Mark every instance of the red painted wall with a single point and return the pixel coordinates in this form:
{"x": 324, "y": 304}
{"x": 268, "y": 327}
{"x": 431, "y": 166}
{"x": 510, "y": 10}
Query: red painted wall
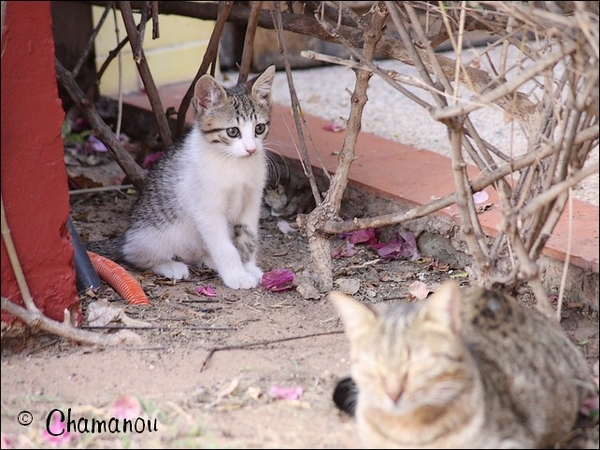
{"x": 33, "y": 174}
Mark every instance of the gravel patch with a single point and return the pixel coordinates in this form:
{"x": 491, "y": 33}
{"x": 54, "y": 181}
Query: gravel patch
{"x": 325, "y": 92}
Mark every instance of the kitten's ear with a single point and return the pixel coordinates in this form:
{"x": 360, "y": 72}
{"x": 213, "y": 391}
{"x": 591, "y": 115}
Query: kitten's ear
{"x": 444, "y": 307}
{"x": 261, "y": 85}
{"x": 208, "y": 93}
{"x": 357, "y": 317}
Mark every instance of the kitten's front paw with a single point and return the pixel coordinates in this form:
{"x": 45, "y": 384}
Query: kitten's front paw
{"x": 254, "y": 270}
{"x": 240, "y": 280}
{"x": 173, "y": 269}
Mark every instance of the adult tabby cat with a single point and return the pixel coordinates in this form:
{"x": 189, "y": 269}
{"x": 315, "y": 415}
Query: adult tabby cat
{"x": 202, "y": 199}
{"x": 474, "y": 370}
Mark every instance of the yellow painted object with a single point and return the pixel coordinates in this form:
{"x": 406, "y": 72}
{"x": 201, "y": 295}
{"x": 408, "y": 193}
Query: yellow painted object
{"x": 173, "y": 58}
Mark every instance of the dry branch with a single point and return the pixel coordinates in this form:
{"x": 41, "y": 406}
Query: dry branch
{"x": 248, "y": 48}
{"x": 213, "y": 350}
{"x": 145, "y": 73}
{"x": 387, "y": 47}
{"x": 297, "y": 111}
{"x": 209, "y": 60}
{"x": 103, "y": 132}
{"x": 319, "y": 243}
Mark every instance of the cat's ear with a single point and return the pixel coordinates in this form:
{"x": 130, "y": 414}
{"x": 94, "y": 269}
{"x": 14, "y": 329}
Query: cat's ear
{"x": 357, "y": 317}
{"x": 208, "y": 93}
{"x": 444, "y": 306}
{"x": 261, "y": 86}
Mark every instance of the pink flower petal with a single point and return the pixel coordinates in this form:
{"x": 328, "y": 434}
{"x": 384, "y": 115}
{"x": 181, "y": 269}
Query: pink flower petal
{"x": 480, "y": 197}
{"x": 343, "y": 250}
{"x": 410, "y": 248}
{"x": 125, "y": 407}
{"x": 150, "y": 160}
{"x": 366, "y": 236}
{"x": 97, "y": 145}
{"x": 278, "y": 280}
{"x": 289, "y": 393}
{"x": 332, "y": 126}
{"x": 405, "y": 247}
{"x": 389, "y": 250}
{"x": 6, "y": 441}
{"x": 207, "y": 291}
{"x": 56, "y": 433}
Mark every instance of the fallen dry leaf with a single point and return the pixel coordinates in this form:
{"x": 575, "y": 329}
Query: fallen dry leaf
{"x": 101, "y": 313}
{"x": 229, "y": 388}
{"x": 207, "y": 291}
{"x": 419, "y": 290}
{"x": 253, "y": 392}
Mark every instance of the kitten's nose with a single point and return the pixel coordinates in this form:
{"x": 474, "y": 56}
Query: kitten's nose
{"x": 251, "y": 151}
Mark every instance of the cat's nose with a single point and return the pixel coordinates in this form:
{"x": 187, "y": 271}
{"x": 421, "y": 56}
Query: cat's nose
{"x": 394, "y": 396}
{"x": 394, "y": 393}
{"x": 251, "y": 151}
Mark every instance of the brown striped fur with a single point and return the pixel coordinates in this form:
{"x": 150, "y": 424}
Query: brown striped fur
{"x": 461, "y": 369}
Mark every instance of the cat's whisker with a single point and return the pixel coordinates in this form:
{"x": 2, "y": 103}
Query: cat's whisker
{"x": 275, "y": 167}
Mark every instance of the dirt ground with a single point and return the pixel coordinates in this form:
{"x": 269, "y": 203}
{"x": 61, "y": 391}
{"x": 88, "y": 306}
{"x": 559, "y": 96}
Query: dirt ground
{"x": 207, "y": 366}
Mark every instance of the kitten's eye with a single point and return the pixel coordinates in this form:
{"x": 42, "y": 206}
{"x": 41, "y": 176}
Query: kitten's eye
{"x": 233, "y": 132}
{"x": 260, "y": 128}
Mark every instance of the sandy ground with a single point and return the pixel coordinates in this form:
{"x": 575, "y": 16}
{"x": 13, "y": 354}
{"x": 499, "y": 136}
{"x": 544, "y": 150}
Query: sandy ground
{"x": 204, "y": 373}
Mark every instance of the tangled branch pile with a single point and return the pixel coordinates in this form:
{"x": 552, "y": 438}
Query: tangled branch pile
{"x": 546, "y": 83}
{"x": 549, "y": 88}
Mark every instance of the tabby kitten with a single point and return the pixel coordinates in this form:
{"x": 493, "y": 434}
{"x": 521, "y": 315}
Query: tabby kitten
{"x": 201, "y": 201}
{"x": 474, "y": 370}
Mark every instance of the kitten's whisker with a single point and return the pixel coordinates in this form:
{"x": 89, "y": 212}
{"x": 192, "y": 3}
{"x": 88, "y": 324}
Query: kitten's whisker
{"x": 274, "y": 166}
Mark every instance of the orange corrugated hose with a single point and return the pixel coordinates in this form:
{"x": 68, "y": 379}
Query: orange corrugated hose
{"x": 119, "y": 279}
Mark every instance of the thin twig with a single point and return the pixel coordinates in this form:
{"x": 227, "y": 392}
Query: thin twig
{"x": 14, "y": 261}
{"x": 550, "y": 194}
{"x": 101, "y": 189}
{"x": 249, "y": 42}
{"x": 213, "y": 350}
{"x": 137, "y": 53}
{"x": 296, "y": 109}
{"x": 111, "y": 55}
{"x": 502, "y": 91}
{"x": 157, "y": 327}
{"x": 154, "y": 12}
{"x": 146, "y": 76}
{"x": 478, "y": 184}
{"x": 120, "y": 83}
{"x": 347, "y": 269}
{"x": 563, "y": 278}
{"x": 91, "y": 41}
{"x": 209, "y": 59}
{"x": 103, "y": 132}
